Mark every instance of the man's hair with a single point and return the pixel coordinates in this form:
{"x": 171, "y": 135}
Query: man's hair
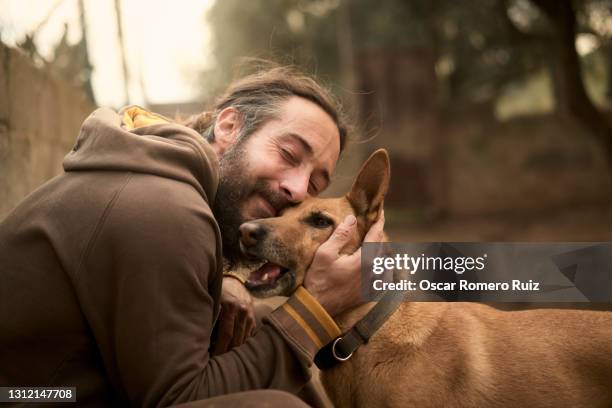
{"x": 257, "y": 97}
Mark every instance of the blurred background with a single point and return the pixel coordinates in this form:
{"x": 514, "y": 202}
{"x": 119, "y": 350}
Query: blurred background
{"x": 496, "y": 113}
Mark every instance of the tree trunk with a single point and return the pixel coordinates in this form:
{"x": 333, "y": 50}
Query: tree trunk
{"x": 608, "y": 57}
{"x": 570, "y": 92}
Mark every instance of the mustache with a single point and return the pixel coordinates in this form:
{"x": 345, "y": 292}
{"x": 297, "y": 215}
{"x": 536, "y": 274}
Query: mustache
{"x": 276, "y": 199}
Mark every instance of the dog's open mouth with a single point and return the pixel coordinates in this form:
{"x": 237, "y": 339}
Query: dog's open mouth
{"x": 266, "y": 277}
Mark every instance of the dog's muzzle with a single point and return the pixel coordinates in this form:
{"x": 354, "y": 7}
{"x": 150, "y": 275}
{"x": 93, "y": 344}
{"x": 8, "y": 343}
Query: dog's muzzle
{"x": 252, "y": 233}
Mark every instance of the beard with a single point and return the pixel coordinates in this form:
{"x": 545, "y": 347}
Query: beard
{"x": 235, "y": 187}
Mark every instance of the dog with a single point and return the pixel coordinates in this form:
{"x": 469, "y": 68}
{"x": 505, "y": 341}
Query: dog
{"x": 435, "y": 354}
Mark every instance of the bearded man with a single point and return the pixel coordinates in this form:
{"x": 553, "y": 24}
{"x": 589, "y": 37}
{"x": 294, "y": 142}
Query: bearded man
{"x": 112, "y": 272}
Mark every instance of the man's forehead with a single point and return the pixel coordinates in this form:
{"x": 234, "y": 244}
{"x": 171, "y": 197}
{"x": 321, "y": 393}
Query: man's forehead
{"x": 312, "y": 127}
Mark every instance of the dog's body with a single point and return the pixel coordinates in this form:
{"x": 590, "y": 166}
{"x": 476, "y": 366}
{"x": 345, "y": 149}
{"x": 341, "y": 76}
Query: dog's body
{"x": 472, "y": 355}
{"x": 437, "y": 354}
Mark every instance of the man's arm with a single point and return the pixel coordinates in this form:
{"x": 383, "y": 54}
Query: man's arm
{"x": 148, "y": 285}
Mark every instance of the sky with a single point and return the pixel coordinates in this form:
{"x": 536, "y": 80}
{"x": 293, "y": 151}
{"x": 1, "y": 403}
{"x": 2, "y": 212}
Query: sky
{"x": 167, "y": 43}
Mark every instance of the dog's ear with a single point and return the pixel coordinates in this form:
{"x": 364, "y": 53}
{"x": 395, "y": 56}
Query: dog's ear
{"x": 370, "y": 186}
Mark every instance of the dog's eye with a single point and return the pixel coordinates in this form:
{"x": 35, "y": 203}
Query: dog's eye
{"x": 318, "y": 220}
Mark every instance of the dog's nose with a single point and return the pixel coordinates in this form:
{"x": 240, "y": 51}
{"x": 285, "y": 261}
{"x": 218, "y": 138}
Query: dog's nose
{"x": 251, "y": 233}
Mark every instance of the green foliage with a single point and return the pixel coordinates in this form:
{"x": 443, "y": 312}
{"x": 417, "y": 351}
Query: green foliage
{"x": 480, "y": 47}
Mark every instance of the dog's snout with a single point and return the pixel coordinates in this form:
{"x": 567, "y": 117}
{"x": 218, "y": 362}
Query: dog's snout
{"x": 251, "y": 233}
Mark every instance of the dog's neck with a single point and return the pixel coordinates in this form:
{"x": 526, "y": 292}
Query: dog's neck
{"x": 348, "y": 319}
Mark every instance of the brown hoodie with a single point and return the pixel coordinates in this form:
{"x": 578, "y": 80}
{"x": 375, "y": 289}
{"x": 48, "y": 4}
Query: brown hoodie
{"x": 110, "y": 276}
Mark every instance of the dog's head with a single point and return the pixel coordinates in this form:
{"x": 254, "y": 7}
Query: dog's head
{"x": 286, "y": 244}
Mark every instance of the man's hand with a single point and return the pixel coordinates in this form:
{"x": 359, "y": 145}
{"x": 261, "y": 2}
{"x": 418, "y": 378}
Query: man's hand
{"x": 334, "y": 279}
{"x": 237, "y": 319}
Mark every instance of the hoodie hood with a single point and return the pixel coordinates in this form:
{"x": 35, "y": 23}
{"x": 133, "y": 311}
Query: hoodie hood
{"x": 138, "y": 141}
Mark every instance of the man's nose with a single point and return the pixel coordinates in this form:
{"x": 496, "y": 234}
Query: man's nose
{"x": 295, "y": 187}
{"x": 251, "y": 233}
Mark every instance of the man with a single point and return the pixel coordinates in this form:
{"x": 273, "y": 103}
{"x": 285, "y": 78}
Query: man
{"x": 112, "y": 272}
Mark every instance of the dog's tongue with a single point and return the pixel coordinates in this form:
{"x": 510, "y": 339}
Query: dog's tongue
{"x": 265, "y": 275}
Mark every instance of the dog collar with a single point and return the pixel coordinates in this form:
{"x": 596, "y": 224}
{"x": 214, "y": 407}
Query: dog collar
{"x": 341, "y": 348}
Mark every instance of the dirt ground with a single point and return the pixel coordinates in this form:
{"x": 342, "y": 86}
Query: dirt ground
{"x": 580, "y": 224}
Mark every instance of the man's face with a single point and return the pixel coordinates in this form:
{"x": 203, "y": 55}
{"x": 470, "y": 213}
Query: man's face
{"x": 285, "y": 161}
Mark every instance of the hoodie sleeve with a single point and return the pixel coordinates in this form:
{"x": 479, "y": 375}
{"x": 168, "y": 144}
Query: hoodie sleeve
{"x": 149, "y": 284}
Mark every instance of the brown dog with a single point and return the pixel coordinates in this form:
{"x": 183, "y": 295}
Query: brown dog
{"x": 436, "y": 354}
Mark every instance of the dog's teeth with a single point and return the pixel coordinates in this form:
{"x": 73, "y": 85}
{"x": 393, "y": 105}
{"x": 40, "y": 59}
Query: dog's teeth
{"x": 265, "y": 277}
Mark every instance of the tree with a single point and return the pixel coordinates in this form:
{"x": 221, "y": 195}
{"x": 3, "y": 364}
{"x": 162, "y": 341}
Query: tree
{"x": 570, "y": 92}
{"x": 477, "y": 48}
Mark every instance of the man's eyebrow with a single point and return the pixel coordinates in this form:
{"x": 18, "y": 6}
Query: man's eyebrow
{"x": 302, "y": 141}
{"x": 310, "y": 152}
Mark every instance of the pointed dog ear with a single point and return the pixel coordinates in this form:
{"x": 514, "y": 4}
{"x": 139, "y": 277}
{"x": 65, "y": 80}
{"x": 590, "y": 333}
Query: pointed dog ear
{"x": 370, "y": 186}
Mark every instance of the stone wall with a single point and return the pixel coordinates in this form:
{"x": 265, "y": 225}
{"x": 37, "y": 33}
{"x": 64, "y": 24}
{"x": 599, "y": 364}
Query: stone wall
{"x": 40, "y": 116}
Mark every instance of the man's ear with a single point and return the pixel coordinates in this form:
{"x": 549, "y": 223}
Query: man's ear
{"x": 370, "y": 186}
{"x": 227, "y": 128}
